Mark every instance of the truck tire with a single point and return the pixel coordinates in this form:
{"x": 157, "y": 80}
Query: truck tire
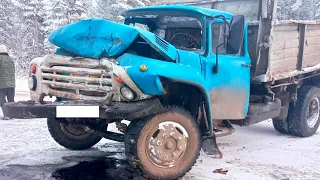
{"x": 281, "y": 125}
{"x": 165, "y": 146}
{"x": 72, "y": 137}
{"x": 304, "y": 116}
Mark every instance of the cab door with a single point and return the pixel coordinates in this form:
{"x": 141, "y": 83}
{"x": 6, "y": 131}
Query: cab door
{"x": 228, "y": 78}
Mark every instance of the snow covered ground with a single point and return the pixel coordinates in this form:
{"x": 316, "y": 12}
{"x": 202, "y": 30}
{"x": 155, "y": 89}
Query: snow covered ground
{"x": 252, "y": 153}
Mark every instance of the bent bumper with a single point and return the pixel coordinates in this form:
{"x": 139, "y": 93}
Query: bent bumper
{"x": 114, "y": 112}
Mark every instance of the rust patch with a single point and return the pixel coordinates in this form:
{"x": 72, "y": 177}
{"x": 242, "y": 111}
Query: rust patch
{"x": 227, "y": 104}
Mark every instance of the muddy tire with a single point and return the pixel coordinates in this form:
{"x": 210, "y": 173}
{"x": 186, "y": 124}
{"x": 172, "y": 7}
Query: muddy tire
{"x": 281, "y": 125}
{"x": 151, "y": 149}
{"x": 304, "y": 116}
{"x": 71, "y": 136}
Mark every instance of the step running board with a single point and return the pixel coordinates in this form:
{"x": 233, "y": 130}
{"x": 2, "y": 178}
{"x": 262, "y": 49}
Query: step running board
{"x": 259, "y": 112}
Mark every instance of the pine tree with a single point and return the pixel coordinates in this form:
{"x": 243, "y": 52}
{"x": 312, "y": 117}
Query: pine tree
{"x": 112, "y": 10}
{"x": 7, "y": 21}
{"x": 60, "y": 13}
{"x": 298, "y": 10}
{"x": 27, "y": 36}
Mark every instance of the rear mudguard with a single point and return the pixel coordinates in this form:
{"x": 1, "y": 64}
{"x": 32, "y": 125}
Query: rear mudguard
{"x": 149, "y": 80}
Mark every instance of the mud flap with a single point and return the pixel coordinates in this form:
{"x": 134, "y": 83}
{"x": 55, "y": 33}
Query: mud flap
{"x": 210, "y": 147}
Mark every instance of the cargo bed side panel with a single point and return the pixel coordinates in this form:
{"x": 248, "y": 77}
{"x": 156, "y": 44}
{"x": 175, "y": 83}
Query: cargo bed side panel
{"x": 284, "y": 49}
{"x": 311, "y": 56}
{"x": 294, "y": 49}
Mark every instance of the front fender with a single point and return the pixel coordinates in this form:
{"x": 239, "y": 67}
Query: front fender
{"x": 149, "y": 80}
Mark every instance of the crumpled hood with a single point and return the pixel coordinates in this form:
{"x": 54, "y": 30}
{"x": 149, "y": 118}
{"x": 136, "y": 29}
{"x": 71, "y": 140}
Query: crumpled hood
{"x": 98, "y": 38}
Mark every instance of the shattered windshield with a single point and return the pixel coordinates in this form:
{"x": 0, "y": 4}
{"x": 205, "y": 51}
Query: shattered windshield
{"x": 183, "y": 32}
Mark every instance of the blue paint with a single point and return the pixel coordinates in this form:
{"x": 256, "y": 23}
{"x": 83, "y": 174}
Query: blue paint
{"x": 189, "y": 58}
{"x": 94, "y": 38}
{"x": 232, "y": 76}
{"x": 97, "y": 38}
{"x": 146, "y": 81}
{"x": 159, "y": 44}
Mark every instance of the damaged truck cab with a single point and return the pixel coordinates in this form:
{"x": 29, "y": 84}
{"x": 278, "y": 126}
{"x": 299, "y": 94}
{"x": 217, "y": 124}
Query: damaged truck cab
{"x": 181, "y": 75}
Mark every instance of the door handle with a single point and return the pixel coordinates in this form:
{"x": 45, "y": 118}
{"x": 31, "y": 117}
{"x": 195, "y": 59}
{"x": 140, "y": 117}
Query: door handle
{"x": 246, "y": 65}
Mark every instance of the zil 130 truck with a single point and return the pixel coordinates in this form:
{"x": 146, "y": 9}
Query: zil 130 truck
{"x": 181, "y": 75}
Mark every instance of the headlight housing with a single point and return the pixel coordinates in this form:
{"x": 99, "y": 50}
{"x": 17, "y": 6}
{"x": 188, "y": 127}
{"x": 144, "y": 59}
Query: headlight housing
{"x": 127, "y": 93}
{"x": 32, "y": 83}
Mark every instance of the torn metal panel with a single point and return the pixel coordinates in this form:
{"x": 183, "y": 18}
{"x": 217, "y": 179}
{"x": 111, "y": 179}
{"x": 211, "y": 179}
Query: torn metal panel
{"x": 99, "y": 38}
{"x": 94, "y": 38}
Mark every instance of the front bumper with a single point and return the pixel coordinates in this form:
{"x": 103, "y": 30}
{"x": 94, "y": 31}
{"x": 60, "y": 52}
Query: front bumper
{"x": 114, "y": 112}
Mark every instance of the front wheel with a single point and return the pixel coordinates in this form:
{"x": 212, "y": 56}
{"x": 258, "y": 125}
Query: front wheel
{"x": 165, "y": 146}
{"x": 70, "y": 136}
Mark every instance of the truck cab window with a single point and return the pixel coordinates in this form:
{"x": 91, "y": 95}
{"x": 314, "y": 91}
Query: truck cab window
{"x": 181, "y": 31}
{"x": 184, "y": 33}
{"x": 218, "y": 37}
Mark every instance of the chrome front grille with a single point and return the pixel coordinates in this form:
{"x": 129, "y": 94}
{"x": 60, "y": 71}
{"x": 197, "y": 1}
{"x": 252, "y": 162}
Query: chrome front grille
{"x": 76, "y": 78}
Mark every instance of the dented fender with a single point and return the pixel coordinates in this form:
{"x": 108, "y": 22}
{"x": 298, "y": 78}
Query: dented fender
{"x": 149, "y": 81}
{"x": 99, "y": 38}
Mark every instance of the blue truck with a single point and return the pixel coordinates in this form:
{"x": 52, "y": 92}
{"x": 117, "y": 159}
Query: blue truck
{"x": 182, "y": 75}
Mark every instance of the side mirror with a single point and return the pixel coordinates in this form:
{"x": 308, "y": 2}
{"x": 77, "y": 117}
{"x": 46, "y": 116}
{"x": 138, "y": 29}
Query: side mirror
{"x": 236, "y": 34}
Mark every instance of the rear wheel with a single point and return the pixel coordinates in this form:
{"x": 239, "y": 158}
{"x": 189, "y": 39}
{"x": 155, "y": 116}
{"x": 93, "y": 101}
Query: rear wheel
{"x": 165, "y": 146}
{"x": 281, "y": 125}
{"x": 70, "y": 136}
{"x": 304, "y": 117}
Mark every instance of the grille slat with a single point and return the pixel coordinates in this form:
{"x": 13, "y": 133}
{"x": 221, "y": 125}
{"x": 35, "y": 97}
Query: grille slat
{"x": 162, "y": 43}
{"x": 77, "y": 78}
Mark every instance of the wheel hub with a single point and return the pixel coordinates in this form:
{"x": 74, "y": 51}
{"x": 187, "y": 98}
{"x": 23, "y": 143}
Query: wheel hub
{"x": 168, "y": 144}
{"x": 313, "y": 112}
{"x": 74, "y": 131}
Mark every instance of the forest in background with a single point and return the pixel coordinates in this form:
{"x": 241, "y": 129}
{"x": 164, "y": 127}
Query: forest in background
{"x": 26, "y": 24}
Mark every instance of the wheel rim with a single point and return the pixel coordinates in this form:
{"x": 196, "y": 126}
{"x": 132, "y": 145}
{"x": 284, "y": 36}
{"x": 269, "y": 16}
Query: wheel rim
{"x": 74, "y": 131}
{"x": 313, "y": 112}
{"x": 167, "y": 144}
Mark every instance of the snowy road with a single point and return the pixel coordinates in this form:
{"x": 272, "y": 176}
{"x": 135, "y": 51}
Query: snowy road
{"x": 257, "y": 152}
